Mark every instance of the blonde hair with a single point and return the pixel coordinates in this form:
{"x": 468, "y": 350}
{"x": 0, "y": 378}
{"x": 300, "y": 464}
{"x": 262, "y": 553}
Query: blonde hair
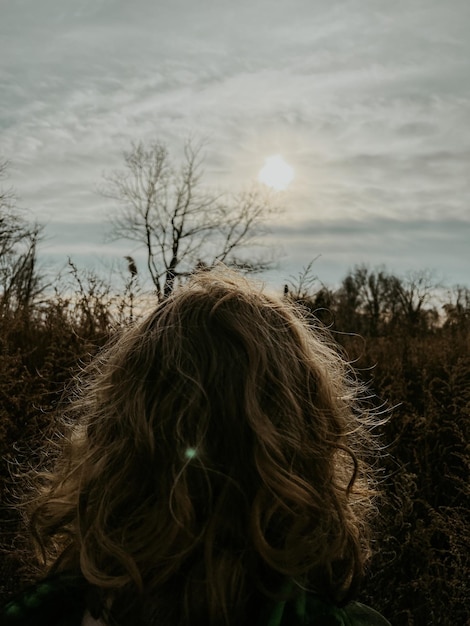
{"x": 213, "y": 455}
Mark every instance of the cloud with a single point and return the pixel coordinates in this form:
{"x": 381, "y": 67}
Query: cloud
{"x": 368, "y": 101}
{"x": 439, "y": 245}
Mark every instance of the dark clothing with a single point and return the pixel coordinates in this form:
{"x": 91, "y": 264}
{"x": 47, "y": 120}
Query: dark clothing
{"x": 57, "y": 601}
{"x": 62, "y": 601}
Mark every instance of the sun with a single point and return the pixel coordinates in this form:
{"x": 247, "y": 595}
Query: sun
{"x": 276, "y": 173}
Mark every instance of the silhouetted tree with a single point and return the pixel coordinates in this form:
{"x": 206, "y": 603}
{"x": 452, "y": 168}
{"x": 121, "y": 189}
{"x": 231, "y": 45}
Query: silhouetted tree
{"x": 457, "y": 309}
{"x": 20, "y": 282}
{"x": 368, "y": 301}
{"x": 411, "y": 294}
{"x": 180, "y": 222}
{"x": 349, "y": 303}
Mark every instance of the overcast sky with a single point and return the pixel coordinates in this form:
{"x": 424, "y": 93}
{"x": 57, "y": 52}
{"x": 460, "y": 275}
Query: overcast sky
{"x": 368, "y": 100}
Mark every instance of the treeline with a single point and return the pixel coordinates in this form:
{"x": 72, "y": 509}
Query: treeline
{"x": 407, "y": 337}
{"x": 375, "y": 302}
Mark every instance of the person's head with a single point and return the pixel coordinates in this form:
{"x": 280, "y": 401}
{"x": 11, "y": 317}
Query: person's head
{"x": 213, "y": 453}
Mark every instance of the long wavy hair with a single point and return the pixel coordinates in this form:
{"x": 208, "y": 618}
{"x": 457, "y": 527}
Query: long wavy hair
{"x": 212, "y": 461}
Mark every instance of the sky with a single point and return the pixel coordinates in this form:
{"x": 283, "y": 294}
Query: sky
{"x": 368, "y": 101}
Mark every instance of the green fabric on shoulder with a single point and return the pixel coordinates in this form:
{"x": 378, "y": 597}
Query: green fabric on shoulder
{"x": 362, "y": 615}
{"x": 56, "y": 601}
{"x": 61, "y": 601}
{"x": 311, "y": 610}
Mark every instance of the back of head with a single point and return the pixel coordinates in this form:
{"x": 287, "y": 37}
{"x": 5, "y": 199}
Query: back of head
{"x": 213, "y": 458}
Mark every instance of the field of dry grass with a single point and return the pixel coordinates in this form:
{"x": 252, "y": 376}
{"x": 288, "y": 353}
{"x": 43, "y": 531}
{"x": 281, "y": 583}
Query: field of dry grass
{"x": 420, "y": 571}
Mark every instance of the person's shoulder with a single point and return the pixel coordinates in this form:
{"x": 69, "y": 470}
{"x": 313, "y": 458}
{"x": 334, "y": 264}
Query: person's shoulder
{"x": 55, "y": 601}
{"x": 360, "y": 614}
{"x": 318, "y": 611}
{"x": 309, "y": 609}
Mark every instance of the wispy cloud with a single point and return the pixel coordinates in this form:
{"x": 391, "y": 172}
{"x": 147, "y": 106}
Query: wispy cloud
{"x": 369, "y": 101}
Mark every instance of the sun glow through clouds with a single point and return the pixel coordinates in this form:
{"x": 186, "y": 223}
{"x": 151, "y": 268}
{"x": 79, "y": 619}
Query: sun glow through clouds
{"x": 276, "y": 173}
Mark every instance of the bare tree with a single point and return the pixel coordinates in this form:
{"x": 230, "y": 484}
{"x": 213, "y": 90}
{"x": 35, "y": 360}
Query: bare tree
{"x": 375, "y": 295}
{"x": 369, "y": 300}
{"x": 20, "y": 282}
{"x": 457, "y": 308}
{"x": 181, "y": 223}
{"x": 413, "y": 293}
{"x": 12, "y": 227}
